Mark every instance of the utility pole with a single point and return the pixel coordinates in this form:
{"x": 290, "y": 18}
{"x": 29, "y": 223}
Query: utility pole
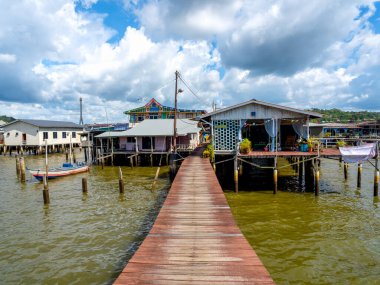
{"x": 175, "y": 113}
{"x": 81, "y": 117}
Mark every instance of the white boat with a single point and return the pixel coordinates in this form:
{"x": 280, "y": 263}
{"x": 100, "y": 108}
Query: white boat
{"x": 65, "y": 170}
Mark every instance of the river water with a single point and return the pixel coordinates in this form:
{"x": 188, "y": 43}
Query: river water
{"x": 302, "y": 239}
{"x": 77, "y": 239}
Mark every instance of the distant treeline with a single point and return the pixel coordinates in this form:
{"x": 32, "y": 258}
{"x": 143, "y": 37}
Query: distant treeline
{"x": 336, "y": 115}
{"x": 7, "y": 119}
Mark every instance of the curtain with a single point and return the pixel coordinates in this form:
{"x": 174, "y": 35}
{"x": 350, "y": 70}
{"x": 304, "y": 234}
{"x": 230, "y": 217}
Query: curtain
{"x": 271, "y": 126}
{"x": 300, "y": 128}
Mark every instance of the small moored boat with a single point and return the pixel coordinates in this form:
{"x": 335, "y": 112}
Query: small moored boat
{"x": 65, "y": 170}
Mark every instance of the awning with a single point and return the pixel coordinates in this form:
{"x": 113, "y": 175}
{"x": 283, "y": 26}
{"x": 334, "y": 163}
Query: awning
{"x": 354, "y": 154}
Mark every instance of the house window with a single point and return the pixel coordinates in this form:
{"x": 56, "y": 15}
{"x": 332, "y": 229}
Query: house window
{"x": 153, "y": 116}
{"x": 73, "y": 135}
{"x": 63, "y": 135}
{"x": 55, "y": 135}
{"x": 16, "y": 135}
{"x": 131, "y": 140}
{"x": 45, "y": 135}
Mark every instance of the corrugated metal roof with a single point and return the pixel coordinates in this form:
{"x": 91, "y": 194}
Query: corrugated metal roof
{"x": 257, "y": 102}
{"x": 156, "y": 128}
{"x": 48, "y": 123}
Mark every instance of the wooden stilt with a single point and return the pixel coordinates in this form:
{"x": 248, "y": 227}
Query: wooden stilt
{"x": 22, "y": 169}
{"x": 236, "y": 175}
{"x": 316, "y": 182}
{"x": 275, "y": 180}
{"x": 121, "y": 183}
{"x": 84, "y": 185}
{"x": 45, "y": 192}
{"x": 376, "y": 179}
{"x": 345, "y": 169}
{"x": 17, "y": 166}
{"x": 359, "y": 182}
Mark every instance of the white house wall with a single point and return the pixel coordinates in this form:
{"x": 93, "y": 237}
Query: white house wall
{"x": 13, "y": 135}
{"x": 260, "y": 112}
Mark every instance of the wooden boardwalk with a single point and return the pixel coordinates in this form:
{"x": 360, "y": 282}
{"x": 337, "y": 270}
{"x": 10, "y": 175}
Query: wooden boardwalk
{"x": 195, "y": 239}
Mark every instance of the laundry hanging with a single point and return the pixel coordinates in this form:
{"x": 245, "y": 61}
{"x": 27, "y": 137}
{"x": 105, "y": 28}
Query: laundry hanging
{"x": 354, "y": 154}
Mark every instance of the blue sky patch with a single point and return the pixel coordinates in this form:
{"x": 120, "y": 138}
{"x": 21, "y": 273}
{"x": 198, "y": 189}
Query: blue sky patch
{"x": 117, "y": 17}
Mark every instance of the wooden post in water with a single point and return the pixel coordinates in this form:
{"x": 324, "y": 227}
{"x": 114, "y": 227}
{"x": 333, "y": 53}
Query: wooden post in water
{"x": 275, "y": 180}
{"x": 345, "y": 170}
{"x": 22, "y": 169}
{"x": 236, "y": 175}
{"x": 121, "y": 183}
{"x": 45, "y": 192}
{"x": 84, "y": 185}
{"x": 17, "y": 166}
{"x": 359, "y": 182}
{"x": 131, "y": 161}
{"x": 316, "y": 192}
{"x": 240, "y": 168}
{"x": 376, "y": 179}
{"x": 67, "y": 155}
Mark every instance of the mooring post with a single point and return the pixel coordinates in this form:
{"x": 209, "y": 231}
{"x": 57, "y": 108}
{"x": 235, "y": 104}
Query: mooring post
{"x": 84, "y": 185}
{"x": 236, "y": 175}
{"x": 316, "y": 179}
{"x": 45, "y": 192}
{"x": 345, "y": 170}
{"x": 17, "y": 166}
{"x": 359, "y": 182}
{"x": 376, "y": 179}
{"x": 22, "y": 169}
{"x": 121, "y": 183}
{"x": 131, "y": 161}
{"x": 275, "y": 177}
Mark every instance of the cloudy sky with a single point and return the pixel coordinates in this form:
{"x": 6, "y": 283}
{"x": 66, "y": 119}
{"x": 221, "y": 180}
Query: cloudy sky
{"x": 117, "y": 54}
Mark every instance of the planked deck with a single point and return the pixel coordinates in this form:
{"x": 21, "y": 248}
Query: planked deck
{"x": 195, "y": 239}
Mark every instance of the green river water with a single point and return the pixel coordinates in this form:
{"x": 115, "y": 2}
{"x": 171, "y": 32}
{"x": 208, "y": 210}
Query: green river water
{"x": 301, "y": 239}
{"x": 76, "y": 239}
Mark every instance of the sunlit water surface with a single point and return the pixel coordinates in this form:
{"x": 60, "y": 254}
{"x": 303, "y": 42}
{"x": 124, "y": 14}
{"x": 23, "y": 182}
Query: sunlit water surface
{"x": 77, "y": 239}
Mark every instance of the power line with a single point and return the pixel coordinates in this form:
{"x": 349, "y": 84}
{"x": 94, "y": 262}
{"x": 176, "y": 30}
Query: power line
{"x": 191, "y": 90}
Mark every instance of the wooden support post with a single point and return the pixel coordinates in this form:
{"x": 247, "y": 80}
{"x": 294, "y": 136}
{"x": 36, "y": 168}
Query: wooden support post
{"x": 17, "y": 166}
{"x": 345, "y": 169}
{"x": 45, "y": 192}
{"x": 298, "y": 165}
{"x": 151, "y": 160}
{"x": 275, "y": 180}
{"x": 84, "y": 185}
{"x": 316, "y": 182}
{"x": 67, "y": 155}
{"x": 22, "y": 169}
{"x": 241, "y": 168}
{"x": 121, "y": 183}
{"x": 376, "y": 179}
{"x": 359, "y": 182}
{"x": 340, "y": 161}
{"x": 236, "y": 175}
{"x": 376, "y": 184}
{"x": 214, "y": 166}
{"x": 131, "y": 161}
{"x": 85, "y": 154}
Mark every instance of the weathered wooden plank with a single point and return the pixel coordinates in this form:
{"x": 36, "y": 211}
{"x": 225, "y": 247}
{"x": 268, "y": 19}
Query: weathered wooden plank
{"x": 195, "y": 239}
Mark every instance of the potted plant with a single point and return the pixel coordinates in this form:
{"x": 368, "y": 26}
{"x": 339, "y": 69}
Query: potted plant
{"x": 245, "y": 146}
{"x": 340, "y": 143}
{"x": 310, "y": 144}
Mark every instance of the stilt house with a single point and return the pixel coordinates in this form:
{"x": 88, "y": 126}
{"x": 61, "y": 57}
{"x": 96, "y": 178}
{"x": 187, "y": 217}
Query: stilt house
{"x": 268, "y": 126}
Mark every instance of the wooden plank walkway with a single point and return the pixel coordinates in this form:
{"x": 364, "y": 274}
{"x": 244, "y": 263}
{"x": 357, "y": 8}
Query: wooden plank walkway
{"x": 195, "y": 239}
